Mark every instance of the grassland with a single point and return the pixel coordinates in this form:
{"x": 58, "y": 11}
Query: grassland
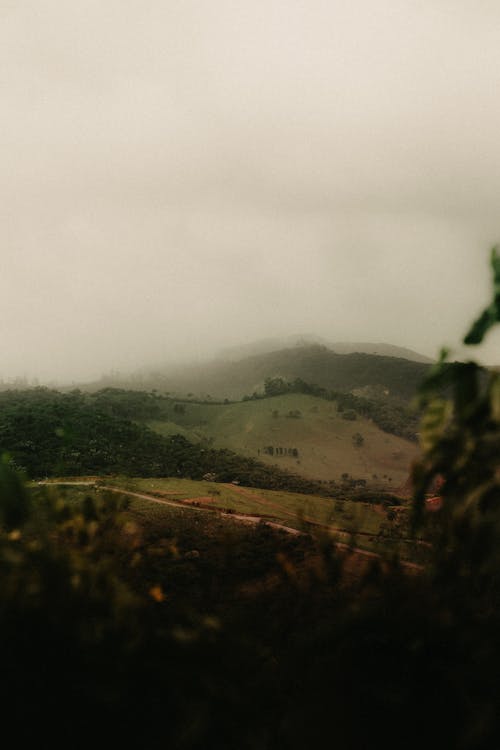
{"x": 324, "y": 441}
{"x": 365, "y": 526}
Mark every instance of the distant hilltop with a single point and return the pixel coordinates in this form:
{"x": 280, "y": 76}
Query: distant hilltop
{"x": 382, "y": 350}
{"x": 266, "y": 346}
{"x": 243, "y": 373}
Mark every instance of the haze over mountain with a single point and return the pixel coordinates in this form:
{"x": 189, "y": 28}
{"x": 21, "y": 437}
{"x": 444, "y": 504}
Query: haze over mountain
{"x": 313, "y": 363}
{"x": 179, "y": 177}
{"x": 265, "y": 346}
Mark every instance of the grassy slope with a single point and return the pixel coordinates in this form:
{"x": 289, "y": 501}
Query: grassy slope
{"x": 366, "y": 526}
{"x": 322, "y": 437}
{"x": 287, "y": 507}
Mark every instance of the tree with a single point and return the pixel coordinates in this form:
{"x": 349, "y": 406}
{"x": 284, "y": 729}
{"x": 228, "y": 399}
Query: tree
{"x": 276, "y": 386}
{"x": 350, "y": 415}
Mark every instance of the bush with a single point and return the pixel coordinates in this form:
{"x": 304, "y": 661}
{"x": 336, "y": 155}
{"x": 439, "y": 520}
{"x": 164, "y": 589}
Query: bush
{"x": 349, "y": 414}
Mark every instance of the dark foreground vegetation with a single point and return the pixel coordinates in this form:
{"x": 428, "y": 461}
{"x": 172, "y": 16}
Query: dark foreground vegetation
{"x": 125, "y": 626}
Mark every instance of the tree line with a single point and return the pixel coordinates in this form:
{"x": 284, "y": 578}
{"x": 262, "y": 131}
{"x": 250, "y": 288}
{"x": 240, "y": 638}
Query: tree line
{"x": 391, "y": 415}
{"x": 48, "y": 433}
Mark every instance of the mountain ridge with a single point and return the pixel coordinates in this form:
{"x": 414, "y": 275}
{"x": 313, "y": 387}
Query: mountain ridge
{"x": 266, "y": 346}
{"x": 315, "y": 364}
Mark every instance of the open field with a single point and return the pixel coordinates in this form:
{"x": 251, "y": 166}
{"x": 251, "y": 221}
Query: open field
{"x": 307, "y": 435}
{"x": 365, "y": 526}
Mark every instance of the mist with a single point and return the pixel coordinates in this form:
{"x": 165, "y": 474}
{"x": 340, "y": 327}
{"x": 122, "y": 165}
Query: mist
{"x": 179, "y": 177}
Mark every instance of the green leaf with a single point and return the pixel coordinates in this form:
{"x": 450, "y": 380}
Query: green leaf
{"x": 434, "y": 423}
{"x": 491, "y": 315}
{"x": 495, "y": 399}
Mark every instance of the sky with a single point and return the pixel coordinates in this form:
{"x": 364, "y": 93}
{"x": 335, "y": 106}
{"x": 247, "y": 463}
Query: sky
{"x": 179, "y": 176}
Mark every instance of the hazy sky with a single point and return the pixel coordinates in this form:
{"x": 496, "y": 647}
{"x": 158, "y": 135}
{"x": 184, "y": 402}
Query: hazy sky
{"x": 181, "y": 175}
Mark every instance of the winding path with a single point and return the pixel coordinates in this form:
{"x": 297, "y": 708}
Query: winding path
{"x": 253, "y": 520}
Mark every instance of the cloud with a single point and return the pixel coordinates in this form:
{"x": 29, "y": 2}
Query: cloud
{"x": 181, "y": 175}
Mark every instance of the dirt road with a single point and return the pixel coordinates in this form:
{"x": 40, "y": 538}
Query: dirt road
{"x": 242, "y": 518}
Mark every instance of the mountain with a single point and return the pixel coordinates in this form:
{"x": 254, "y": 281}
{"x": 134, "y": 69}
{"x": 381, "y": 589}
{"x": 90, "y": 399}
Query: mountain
{"x": 383, "y": 350}
{"x": 266, "y": 346}
{"x": 389, "y": 376}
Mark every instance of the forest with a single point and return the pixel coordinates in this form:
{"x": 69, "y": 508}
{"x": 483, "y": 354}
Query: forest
{"x": 47, "y": 433}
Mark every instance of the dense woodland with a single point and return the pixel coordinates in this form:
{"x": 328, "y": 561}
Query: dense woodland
{"x": 47, "y": 433}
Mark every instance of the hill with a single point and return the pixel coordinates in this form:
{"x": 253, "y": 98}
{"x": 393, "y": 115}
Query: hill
{"x": 392, "y": 376}
{"x": 266, "y": 346}
{"x": 47, "y": 433}
{"x": 380, "y": 349}
{"x": 297, "y": 432}
{"x": 294, "y": 441}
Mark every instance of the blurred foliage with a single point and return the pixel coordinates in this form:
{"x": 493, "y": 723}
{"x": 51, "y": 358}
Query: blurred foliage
{"x": 460, "y": 433}
{"x": 14, "y": 498}
{"x": 491, "y": 314}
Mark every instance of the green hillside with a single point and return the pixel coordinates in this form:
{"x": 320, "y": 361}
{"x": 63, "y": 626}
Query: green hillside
{"x": 292, "y": 441}
{"x": 301, "y": 433}
{"x": 265, "y": 346}
{"x": 47, "y": 433}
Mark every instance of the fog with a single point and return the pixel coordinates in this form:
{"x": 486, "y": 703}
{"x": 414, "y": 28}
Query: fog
{"x": 182, "y": 176}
